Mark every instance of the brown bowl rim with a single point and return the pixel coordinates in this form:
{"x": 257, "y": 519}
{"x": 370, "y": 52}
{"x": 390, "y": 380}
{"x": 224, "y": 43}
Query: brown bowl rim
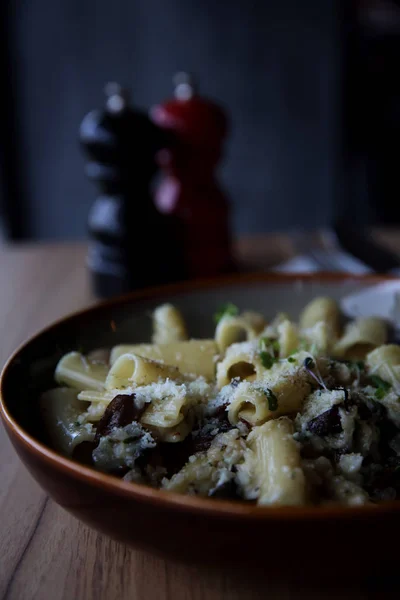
{"x": 170, "y": 500}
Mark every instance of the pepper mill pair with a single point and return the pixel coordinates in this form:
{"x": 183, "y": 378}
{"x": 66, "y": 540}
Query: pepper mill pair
{"x": 142, "y": 233}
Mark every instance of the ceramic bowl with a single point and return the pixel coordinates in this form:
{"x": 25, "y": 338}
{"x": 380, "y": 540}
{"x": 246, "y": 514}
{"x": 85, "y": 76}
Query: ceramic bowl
{"x": 281, "y": 540}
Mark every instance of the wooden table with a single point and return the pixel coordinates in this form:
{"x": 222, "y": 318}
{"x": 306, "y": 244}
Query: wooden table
{"x": 46, "y": 554}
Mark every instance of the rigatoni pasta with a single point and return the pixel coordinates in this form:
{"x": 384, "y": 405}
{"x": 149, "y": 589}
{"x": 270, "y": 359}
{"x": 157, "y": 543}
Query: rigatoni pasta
{"x": 77, "y": 371}
{"x": 324, "y": 310}
{"x": 288, "y": 338}
{"x": 241, "y": 328}
{"x": 273, "y": 412}
{"x": 241, "y": 361}
{"x": 193, "y": 357}
{"x": 385, "y": 362}
{"x": 360, "y": 337}
{"x": 132, "y": 369}
{"x": 271, "y": 470}
{"x": 281, "y": 391}
{"x": 168, "y": 325}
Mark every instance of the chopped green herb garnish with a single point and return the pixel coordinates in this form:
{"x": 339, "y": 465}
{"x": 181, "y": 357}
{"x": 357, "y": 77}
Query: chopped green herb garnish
{"x": 226, "y": 310}
{"x": 266, "y": 359}
{"x": 271, "y": 345}
{"x": 360, "y": 364}
{"x": 267, "y": 341}
{"x": 380, "y": 393}
{"x": 382, "y": 386}
{"x": 272, "y": 399}
{"x": 275, "y": 345}
{"x": 309, "y": 363}
{"x": 291, "y": 359}
{"x": 380, "y": 383}
{"x": 129, "y": 440}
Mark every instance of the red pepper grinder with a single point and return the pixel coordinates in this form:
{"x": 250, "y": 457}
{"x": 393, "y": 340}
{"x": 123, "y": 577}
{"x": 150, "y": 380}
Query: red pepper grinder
{"x": 189, "y": 192}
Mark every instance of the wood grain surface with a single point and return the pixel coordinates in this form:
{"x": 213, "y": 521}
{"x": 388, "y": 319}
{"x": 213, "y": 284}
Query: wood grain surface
{"x": 46, "y": 554}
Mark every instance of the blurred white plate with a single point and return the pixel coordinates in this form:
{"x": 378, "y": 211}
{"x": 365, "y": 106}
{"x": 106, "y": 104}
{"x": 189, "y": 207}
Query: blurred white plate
{"x": 381, "y": 300}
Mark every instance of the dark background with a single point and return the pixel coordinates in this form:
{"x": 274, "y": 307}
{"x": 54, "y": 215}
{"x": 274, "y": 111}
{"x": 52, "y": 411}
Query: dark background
{"x": 280, "y": 68}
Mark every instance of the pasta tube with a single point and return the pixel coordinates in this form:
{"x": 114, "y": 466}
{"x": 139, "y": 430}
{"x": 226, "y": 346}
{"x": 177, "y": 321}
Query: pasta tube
{"x": 131, "y": 369}
{"x": 168, "y": 325}
{"x": 321, "y": 309}
{"x": 361, "y": 337}
{"x": 272, "y": 467}
{"x": 77, "y": 371}
{"x": 194, "y": 357}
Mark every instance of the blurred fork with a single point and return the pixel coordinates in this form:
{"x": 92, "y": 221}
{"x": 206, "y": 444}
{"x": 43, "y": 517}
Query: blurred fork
{"x": 327, "y": 255}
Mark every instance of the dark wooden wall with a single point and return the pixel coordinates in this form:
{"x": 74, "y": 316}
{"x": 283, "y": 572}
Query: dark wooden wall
{"x": 273, "y": 64}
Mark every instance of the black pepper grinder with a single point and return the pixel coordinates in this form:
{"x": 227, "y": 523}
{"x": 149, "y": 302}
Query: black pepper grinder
{"x": 129, "y": 241}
